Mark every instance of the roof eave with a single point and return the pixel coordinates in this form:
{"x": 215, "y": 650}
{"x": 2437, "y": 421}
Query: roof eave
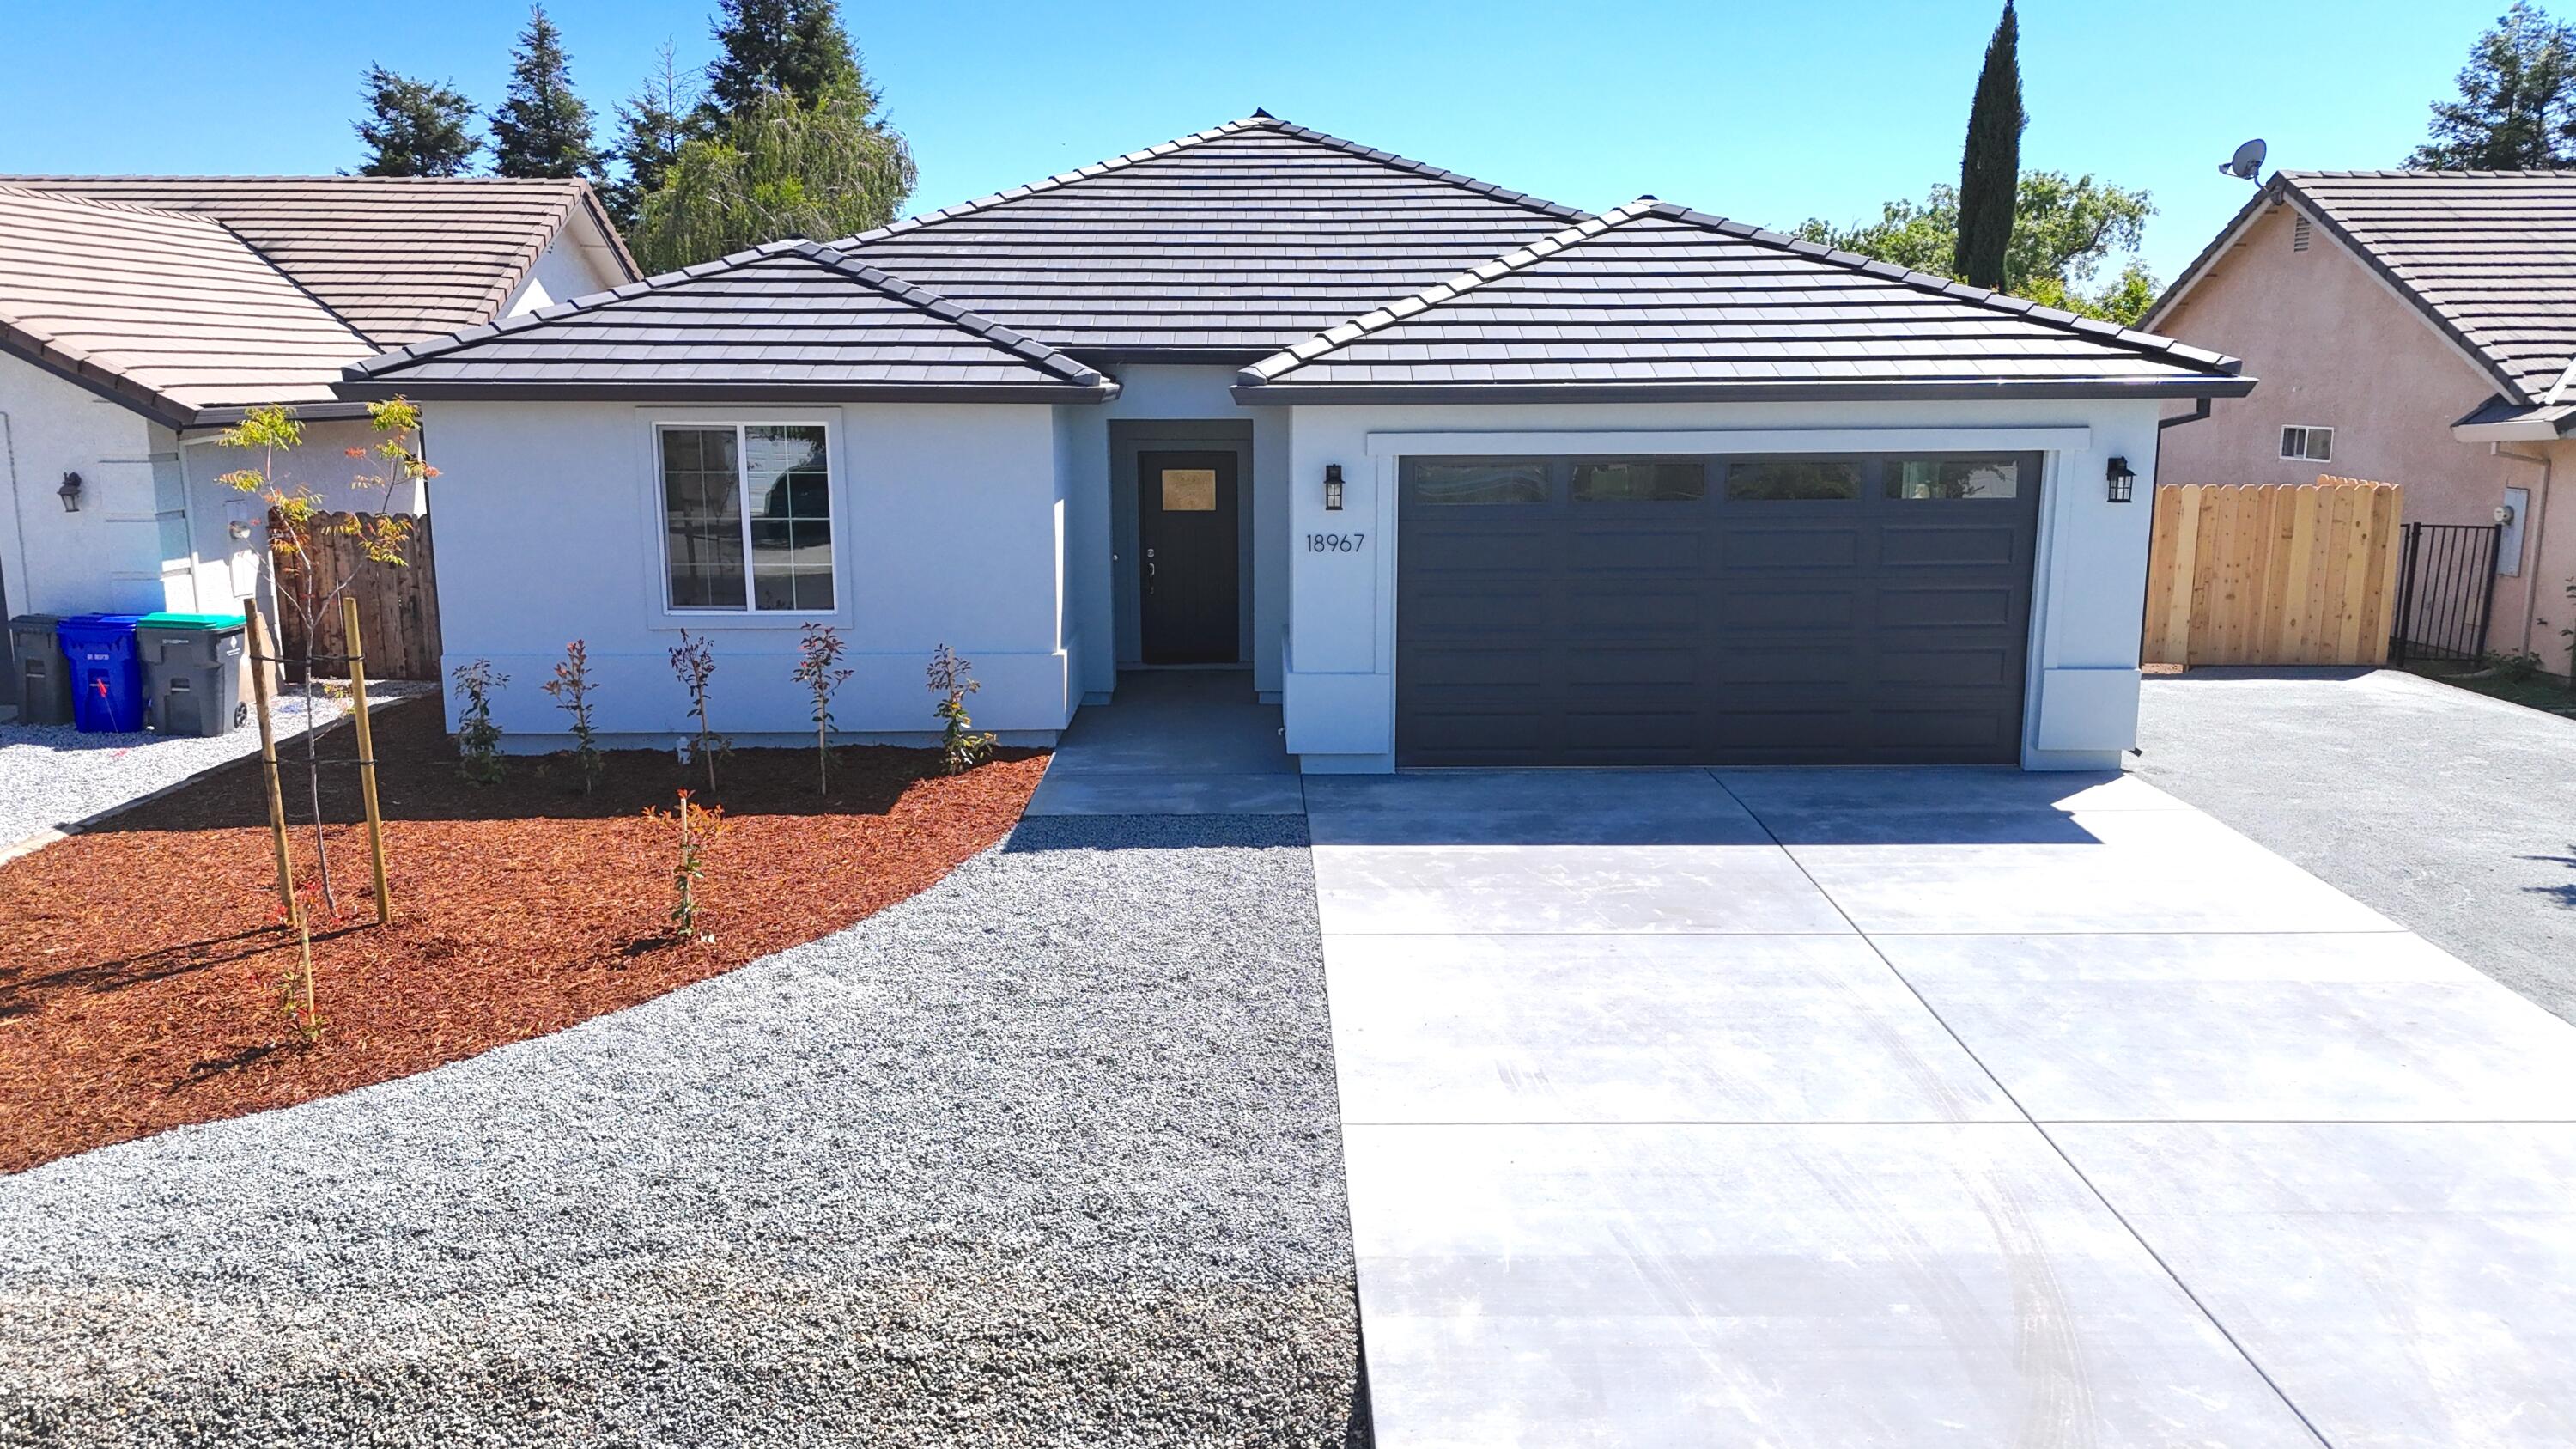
{"x": 378, "y": 388}
{"x": 114, "y": 386}
{"x": 1251, "y": 394}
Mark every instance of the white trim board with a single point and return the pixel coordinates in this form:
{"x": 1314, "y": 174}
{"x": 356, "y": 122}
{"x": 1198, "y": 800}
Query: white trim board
{"x": 1739, "y": 440}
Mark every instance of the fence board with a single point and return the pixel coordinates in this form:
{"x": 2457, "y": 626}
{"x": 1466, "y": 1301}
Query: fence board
{"x": 2272, "y": 574}
{"x": 397, "y": 607}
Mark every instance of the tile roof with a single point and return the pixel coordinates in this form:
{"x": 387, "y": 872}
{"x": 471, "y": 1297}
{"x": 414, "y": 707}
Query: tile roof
{"x": 778, "y": 321}
{"x": 1656, "y": 301}
{"x": 1220, "y": 246}
{"x": 2489, "y": 257}
{"x": 168, "y": 313}
{"x": 400, "y": 259}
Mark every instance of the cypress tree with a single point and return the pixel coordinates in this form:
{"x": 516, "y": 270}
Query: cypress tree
{"x": 415, "y": 127}
{"x": 1990, "y": 166}
{"x": 543, "y": 129}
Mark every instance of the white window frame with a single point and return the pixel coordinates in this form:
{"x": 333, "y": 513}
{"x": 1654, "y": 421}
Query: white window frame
{"x": 750, "y": 613}
{"x": 2308, "y": 433}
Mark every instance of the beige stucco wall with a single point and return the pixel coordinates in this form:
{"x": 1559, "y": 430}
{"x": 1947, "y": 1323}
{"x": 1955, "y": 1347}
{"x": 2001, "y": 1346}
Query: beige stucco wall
{"x": 2333, "y": 346}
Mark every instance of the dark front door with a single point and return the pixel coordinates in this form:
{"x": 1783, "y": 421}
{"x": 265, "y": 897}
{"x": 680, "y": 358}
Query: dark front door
{"x": 1190, "y": 570}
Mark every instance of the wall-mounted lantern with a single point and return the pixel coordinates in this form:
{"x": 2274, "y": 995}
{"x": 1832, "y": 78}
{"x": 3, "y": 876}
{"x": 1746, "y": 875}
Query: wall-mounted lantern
{"x": 1332, "y": 487}
{"x": 2123, "y": 479}
{"x": 70, "y": 492}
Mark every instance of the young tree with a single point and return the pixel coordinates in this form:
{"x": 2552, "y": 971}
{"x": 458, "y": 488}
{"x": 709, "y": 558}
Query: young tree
{"x": 2064, "y": 231}
{"x": 415, "y": 127}
{"x": 797, "y": 46}
{"x": 543, "y": 129}
{"x": 1990, "y": 164}
{"x": 656, "y": 122}
{"x": 2517, "y": 105}
{"x": 297, "y": 522}
{"x": 780, "y": 169}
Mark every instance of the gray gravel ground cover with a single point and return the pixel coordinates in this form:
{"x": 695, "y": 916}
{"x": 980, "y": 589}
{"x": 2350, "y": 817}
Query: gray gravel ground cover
{"x": 2451, "y": 813}
{"x": 1046, "y": 1155}
{"x": 53, "y": 775}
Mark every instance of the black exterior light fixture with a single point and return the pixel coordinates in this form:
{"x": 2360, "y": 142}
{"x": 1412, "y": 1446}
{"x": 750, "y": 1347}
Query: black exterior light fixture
{"x": 2124, "y": 480}
{"x": 70, "y": 492}
{"x": 1332, "y": 487}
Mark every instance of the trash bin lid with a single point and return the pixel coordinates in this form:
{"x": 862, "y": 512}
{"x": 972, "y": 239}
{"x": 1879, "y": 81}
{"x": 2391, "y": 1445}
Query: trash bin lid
{"x": 100, "y": 621}
{"x": 191, "y": 621}
{"x": 35, "y": 621}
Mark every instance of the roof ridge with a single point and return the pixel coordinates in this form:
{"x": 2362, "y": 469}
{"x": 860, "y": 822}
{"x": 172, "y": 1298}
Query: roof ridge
{"x": 876, "y": 279}
{"x": 1287, "y": 359}
{"x": 161, "y": 176}
{"x": 1298, "y": 354}
{"x": 2443, "y": 172}
{"x": 1257, "y": 121}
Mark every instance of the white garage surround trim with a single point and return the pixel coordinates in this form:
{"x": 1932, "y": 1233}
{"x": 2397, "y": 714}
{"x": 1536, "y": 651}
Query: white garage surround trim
{"x": 2080, "y": 701}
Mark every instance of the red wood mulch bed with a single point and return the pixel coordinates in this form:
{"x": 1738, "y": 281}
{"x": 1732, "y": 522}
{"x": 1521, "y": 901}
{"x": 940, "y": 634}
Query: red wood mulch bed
{"x": 140, "y": 987}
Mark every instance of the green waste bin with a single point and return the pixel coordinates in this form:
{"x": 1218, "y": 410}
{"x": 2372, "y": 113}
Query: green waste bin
{"x": 44, "y": 683}
{"x": 192, "y": 672}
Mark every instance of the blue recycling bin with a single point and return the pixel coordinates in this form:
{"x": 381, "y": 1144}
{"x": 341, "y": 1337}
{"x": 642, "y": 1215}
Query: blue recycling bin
{"x": 107, "y": 674}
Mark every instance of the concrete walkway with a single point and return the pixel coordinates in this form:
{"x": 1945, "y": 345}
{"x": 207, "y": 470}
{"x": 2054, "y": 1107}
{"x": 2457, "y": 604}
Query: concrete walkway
{"x": 2454, "y": 812}
{"x": 1879, "y": 1108}
{"x": 1173, "y": 742}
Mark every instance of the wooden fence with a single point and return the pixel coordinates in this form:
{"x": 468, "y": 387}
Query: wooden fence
{"x": 2262, "y": 574}
{"x": 397, "y": 607}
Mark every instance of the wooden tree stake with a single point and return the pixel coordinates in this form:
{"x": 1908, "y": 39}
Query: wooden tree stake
{"x": 366, "y": 756}
{"x": 261, "y": 656}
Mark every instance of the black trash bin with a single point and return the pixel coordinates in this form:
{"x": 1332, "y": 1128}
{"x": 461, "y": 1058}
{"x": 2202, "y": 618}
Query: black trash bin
{"x": 44, "y": 683}
{"x": 192, "y": 669}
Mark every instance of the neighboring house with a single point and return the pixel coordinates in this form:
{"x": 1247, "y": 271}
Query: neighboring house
{"x": 139, "y": 316}
{"x": 1457, "y": 474}
{"x": 2412, "y": 327}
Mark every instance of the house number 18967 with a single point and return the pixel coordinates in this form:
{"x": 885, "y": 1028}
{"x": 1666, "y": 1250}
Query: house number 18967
{"x": 1335, "y": 542}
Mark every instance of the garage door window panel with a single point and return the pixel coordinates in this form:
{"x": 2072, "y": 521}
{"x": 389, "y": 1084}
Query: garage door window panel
{"x": 1478, "y": 482}
{"x": 1954, "y": 479}
{"x": 1793, "y": 480}
{"x": 1640, "y": 482}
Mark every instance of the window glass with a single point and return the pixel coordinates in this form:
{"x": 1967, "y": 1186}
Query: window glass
{"x": 702, "y": 513}
{"x": 1481, "y": 480}
{"x": 1640, "y": 482}
{"x": 1954, "y": 478}
{"x": 1189, "y": 490}
{"x": 2316, "y": 445}
{"x": 791, "y": 521}
{"x": 1776, "y": 479}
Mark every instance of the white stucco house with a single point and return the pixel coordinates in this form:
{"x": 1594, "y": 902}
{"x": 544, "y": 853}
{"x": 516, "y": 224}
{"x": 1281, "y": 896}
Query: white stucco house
{"x": 142, "y": 315}
{"x": 1455, "y": 474}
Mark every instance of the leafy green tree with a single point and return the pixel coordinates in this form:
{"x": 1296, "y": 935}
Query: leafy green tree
{"x": 655, "y": 123}
{"x": 2064, "y": 230}
{"x": 543, "y": 129}
{"x": 2517, "y": 105}
{"x": 1990, "y": 163}
{"x": 796, "y": 46}
{"x": 415, "y": 127}
{"x": 780, "y": 169}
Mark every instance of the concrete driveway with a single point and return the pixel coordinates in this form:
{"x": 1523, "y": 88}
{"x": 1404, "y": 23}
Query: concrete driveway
{"x": 2454, "y": 812}
{"x": 1864, "y": 1108}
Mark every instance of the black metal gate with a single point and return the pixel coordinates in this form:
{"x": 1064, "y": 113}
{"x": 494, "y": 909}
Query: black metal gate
{"x": 2446, "y": 578}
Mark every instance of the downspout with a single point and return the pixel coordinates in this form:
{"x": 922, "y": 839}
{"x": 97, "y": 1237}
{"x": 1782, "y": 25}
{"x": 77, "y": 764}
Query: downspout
{"x": 17, "y": 511}
{"x": 2532, "y": 531}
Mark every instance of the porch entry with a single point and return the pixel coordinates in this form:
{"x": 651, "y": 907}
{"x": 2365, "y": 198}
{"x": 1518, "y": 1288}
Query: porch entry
{"x": 1189, "y": 569}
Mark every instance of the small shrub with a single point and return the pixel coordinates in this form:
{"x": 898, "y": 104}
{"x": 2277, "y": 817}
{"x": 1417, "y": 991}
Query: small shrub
{"x": 571, "y": 690}
{"x": 693, "y": 662}
{"x": 951, "y": 678}
{"x": 695, "y": 828}
{"x": 817, "y": 655}
{"x": 478, "y": 740}
{"x": 2513, "y": 665}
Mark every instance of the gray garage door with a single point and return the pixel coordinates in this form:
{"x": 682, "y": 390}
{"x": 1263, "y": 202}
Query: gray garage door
{"x": 1859, "y": 610}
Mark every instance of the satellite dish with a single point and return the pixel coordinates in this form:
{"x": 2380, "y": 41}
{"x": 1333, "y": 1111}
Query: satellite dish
{"x": 2247, "y": 163}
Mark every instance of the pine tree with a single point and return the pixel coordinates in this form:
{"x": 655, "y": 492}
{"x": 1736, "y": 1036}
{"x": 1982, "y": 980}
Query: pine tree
{"x": 2516, "y": 109}
{"x": 1990, "y": 165}
{"x": 415, "y": 127}
{"x": 543, "y": 129}
{"x": 656, "y": 123}
{"x": 797, "y": 46}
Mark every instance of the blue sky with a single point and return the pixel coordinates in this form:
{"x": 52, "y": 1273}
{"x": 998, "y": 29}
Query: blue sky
{"x": 1769, "y": 112}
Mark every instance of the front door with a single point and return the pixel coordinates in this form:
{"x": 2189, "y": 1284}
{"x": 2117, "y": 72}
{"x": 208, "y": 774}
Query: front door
{"x": 1190, "y": 569}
